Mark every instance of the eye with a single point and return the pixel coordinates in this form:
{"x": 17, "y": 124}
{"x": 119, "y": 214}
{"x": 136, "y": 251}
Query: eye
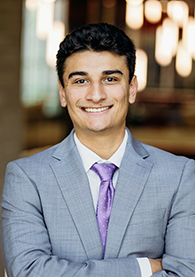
{"x": 81, "y": 81}
{"x": 110, "y": 79}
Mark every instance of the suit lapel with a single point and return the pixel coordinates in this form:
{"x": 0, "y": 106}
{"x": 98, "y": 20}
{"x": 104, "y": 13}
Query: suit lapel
{"x": 73, "y": 183}
{"x": 133, "y": 174}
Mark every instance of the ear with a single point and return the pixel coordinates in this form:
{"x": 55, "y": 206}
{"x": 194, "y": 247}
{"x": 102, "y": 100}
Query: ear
{"x": 133, "y": 87}
{"x": 62, "y": 94}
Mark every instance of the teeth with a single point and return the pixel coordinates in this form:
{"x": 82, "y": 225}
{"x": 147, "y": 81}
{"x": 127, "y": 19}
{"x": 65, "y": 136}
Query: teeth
{"x": 94, "y": 110}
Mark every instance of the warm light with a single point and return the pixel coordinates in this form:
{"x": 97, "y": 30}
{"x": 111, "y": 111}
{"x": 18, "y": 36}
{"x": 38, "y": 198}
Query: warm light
{"x": 134, "y": 2}
{"x": 31, "y": 5}
{"x": 178, "y": 11}
{"x": 134, "y": 16}
{"x": 153, "y": 11}
{"x": 183, "y": 61}
{"x": 190, "y": 36}
{"x": 172, "y": 32}
{"x": 56, "y": 35}
{"x": 166, "y": 42}
{"x": 163, "y": 50}
{"x": 48, "y": 1}
{"x": 45, "y": 14}
{"x": 141, "y": 69}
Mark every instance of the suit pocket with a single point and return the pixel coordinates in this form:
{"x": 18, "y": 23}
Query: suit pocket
{"x": 147, "y": 216}
{"x": 145, "y": 233}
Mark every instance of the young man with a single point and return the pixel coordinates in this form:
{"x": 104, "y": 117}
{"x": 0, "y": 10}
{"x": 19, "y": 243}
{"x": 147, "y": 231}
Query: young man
{"x": 62, "y": 217}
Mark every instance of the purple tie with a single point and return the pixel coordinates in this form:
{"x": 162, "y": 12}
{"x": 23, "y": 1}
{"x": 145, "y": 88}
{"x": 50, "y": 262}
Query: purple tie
{"x": 106, "y": 195}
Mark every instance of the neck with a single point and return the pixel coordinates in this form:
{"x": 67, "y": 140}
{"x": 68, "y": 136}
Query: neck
{"x": 104, "y": 145}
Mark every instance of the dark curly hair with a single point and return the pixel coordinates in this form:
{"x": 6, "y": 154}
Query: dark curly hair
{"x": 96, "y": 37}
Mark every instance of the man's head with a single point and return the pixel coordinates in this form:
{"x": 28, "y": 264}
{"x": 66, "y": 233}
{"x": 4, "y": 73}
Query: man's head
{"x": 96, "y": 37}
{"x": 96, "y": 80}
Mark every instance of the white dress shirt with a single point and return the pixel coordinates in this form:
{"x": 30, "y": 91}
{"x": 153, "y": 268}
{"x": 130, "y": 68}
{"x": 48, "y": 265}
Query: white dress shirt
{"x": 89, "y": 158}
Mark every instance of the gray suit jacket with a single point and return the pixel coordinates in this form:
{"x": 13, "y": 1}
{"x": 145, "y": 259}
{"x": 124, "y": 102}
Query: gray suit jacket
{"x": 49, "y": 225}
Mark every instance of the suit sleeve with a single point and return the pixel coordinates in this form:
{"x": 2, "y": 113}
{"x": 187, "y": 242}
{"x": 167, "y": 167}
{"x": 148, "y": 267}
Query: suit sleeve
{"x": 26, "y": 245}
{"x": 179, "y": 257}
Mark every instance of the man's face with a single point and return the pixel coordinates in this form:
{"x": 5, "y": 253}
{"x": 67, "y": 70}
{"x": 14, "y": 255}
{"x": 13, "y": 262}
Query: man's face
{"x": 97, "y": 91}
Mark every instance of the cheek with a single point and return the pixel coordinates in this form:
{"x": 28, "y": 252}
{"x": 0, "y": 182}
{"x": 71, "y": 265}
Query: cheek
{"x": 123, "y": 102}
{"x": 121, "y": 96}
{"x": 71, "y": 97}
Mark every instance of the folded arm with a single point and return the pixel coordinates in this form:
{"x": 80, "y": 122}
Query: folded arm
{"x": 179, "y": 256}
{"x": 27, "y": 250}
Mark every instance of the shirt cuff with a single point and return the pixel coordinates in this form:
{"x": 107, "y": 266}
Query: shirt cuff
{"x": 145, "y": 267}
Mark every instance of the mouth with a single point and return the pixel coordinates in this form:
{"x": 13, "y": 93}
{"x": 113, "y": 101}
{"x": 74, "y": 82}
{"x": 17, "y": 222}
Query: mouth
{"x": 96, "y": 110}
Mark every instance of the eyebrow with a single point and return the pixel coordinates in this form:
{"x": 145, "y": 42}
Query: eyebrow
{"x": 81, "y": 73}
{"x": 110, "y": 72}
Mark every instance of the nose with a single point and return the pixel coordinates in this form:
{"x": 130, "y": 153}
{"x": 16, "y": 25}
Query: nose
{"x": 96, "y": 92}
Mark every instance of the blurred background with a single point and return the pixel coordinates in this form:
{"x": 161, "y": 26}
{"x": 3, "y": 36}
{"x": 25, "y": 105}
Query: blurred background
{"x": 30, "y": 114}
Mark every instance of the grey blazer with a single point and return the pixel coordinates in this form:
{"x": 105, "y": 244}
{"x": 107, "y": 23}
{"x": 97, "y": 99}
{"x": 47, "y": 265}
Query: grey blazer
{"x": 49, "y": 225}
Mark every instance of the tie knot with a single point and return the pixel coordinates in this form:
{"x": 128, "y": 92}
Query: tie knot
{"x": 104, "y": 171}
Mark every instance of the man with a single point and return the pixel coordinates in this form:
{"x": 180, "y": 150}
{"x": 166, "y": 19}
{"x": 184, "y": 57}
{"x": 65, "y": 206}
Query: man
{"x": 58, "y": 220}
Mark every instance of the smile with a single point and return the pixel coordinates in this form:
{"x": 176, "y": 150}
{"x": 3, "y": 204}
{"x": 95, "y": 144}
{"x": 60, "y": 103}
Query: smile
{"x": 96, "y": 110}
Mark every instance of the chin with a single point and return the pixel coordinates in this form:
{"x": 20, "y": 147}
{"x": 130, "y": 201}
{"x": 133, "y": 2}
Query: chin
{"x": 99, "y": 129}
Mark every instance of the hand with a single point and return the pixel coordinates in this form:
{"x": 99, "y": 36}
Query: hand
{"x": 156, "y": 265}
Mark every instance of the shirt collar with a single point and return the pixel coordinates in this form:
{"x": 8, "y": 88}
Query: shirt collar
{"x": 89, "y": 157}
